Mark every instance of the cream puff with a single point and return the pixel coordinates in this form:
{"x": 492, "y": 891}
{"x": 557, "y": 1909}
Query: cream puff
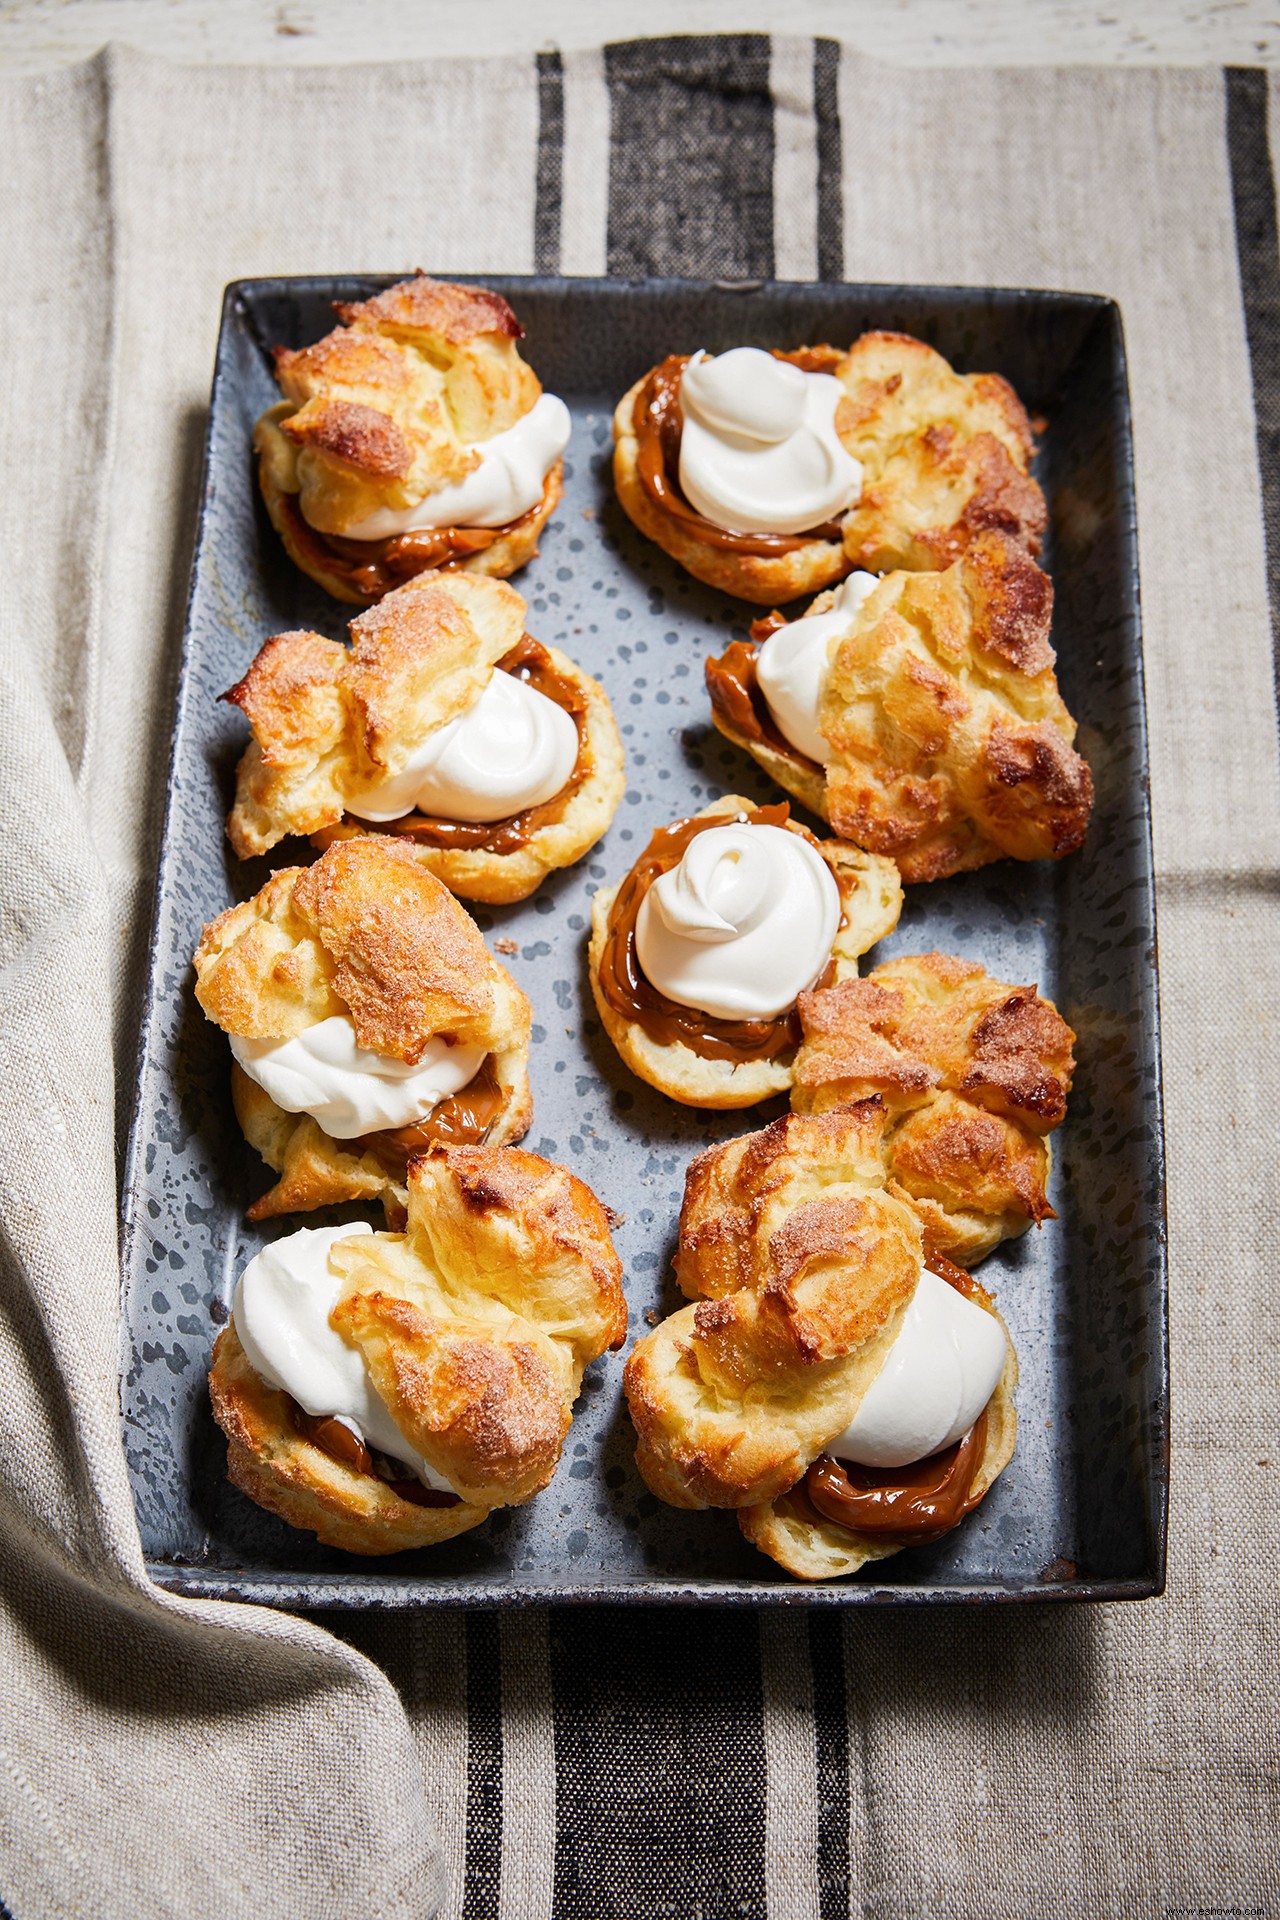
{"x": 774, "y": 474}
{"x": 389, "y": 1390}
{"x": 844, "y": 1394}
{"x": 698, "y": 956}
{"x": 444, "y": 723}
{"x": 412, "y": 436}
{"x": 919, "y": 714}
{"x": 367, "y": 1021}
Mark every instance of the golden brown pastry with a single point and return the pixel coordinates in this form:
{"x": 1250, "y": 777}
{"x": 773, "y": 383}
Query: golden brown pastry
{"x": 808, "y": 913}
{"x": 945, "y": 457}
{"x": 806, "y": 1272}
{"x": 945, "y": 739}
{"x": 441, "y": 1364}
{"x": 367, "y": 1020}
{"x": 974, "y": 1075}
{"x": 395, "y": 407}
{"x": 333, "y": 726}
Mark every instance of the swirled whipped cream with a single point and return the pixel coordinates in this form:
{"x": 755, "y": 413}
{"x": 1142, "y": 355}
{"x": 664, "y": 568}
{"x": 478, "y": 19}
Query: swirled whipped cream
{"x": 937, "y": 1377}
{"x": 513, "y": 470}
{"x": 742, "y": 924}
{"x": 347, "y": 1088}
{"x": 759, "y": 451}
{"x": 281, "y": 1315}
{"x": 512, "y": 749}
{"x": 791, "y": 666}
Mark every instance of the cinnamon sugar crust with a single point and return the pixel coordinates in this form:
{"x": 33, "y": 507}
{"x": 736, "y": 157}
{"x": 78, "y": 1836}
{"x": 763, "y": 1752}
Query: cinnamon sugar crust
{"x": 973, "y": 1075}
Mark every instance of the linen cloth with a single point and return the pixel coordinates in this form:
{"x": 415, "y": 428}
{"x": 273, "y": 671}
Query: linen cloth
{"x": 161, "y": 1756}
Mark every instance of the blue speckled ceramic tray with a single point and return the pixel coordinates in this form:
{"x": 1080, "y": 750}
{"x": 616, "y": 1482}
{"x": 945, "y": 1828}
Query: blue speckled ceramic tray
{"x": 1080, "y": 1512}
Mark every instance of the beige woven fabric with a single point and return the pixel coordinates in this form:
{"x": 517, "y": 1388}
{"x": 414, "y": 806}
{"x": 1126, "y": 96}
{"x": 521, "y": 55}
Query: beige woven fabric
{"x": 157, "y": 1756}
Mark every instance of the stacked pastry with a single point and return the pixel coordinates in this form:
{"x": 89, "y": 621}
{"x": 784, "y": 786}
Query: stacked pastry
{"x": 389, "y": 1389}
{"x": 839, "y": 1381}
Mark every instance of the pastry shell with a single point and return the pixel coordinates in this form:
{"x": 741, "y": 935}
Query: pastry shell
{"x": 950, "y": 744}
{"x": 946, "y": 457}
{"x": 973, "y": 1074}
{"x": 871, "y": 900}
{"x": 369, "y": 933}
{"x": 389, "y": 407}
{"x": 475, "y": 1325}
{"x": 329, "y": 721}
{"x": 800, "y": 1264}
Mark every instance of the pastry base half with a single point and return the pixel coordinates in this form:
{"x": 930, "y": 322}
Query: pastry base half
{"x": 763, "y": 580}
{"x": 268, "y": 1459}
{"x": 872, "y": 900}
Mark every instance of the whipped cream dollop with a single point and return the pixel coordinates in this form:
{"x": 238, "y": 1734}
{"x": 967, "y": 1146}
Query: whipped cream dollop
{"x": 512, "y": 748}
{"x": 742, "y": 925}
{"x": 791, "y": 666}
{"x": 281, "y": 1314}
{"x": 937, "y": 1377}
{"x": 513, "y": 470}
{"x": 348, "y": 1088}
{"x": 759, "y": 451}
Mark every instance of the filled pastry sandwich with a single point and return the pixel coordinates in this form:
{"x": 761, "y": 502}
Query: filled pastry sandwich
{"x": 412, "y": 436}
{"x": 918, "y": 714}
{"x": 774, "y": 474}
{"x": 389, "y": 1390}
{"x": 699, "y": 955}
{"x": 973, "y": 1075}
{"x": 847, "y": 1394}
{"x": 367, "y": 1021}
{"x": 444, "y": 722}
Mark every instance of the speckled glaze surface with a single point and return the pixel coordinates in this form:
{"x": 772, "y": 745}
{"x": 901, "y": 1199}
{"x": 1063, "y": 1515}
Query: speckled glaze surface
{"x": 1080, "y": 1513}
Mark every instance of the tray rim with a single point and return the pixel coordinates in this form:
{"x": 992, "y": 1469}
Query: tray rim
{"x": 357, "y": 1591}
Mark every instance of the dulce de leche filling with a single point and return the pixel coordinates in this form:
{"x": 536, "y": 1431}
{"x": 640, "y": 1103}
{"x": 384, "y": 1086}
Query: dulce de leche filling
{"x": 734, "y": 687}
{"x": 529, "y": 661}
{"x": 461, "y": 1119}
{"x": 665, "y": 1021}
{"x": 338, "y": 1441}
{"x": 374, "y": 567}
{"x": 916, "y": 1503}
{"x": 658, "y": 421}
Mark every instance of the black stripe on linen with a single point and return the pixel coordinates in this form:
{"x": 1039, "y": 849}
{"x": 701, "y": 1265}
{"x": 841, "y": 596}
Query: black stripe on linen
{"x": 691, "y": 157}
{"x": 1253, "y": 192}
{"x": 484, "y": 1768}
{"x": 660, "y": 1770}
{"x": 547, "y": 201}
{"x": 831, "y": 1734}
{"x": 826, "y": 109}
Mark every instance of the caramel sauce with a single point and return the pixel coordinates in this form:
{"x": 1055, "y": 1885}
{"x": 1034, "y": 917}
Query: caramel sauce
{"x": 530, "y": 662}
{"x": 462, "y": 1119}
{"x": 338, "y": 1441}
{"x": 908, "y": 1504}
{"x": 333, "y": 1438}
{"x": 374, "y": 567}
{"x": 659, "y": 424}
{"x": 919, "y": 1502}
{"x": 628, "y": 992}
{"x": 735, "y": 695}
